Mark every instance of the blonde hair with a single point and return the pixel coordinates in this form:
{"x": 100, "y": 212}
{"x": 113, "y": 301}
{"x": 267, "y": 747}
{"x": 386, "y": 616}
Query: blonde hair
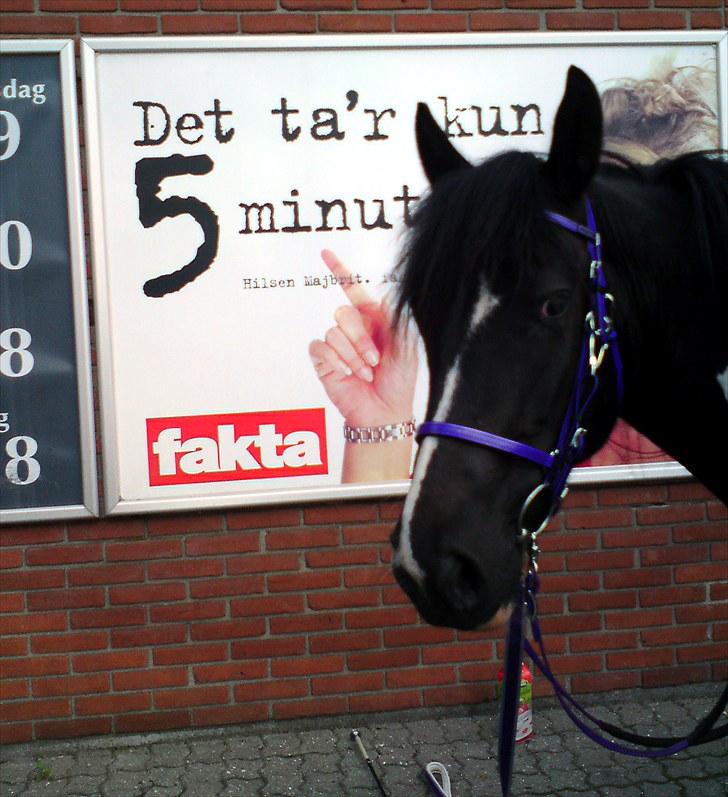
{"x": 661, "y": 117}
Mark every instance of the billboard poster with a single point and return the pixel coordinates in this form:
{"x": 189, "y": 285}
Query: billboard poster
{"x": 47, "y": 450}
{"x": 249, "y": 198}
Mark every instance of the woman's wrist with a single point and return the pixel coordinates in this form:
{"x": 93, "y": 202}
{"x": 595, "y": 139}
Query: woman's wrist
{"x": 381, "y": 433}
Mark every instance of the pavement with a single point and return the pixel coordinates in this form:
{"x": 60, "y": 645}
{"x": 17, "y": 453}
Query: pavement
{"x": 316, "y": 757}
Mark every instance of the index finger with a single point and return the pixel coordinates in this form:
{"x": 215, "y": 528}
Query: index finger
{"x": 352, "y": 285}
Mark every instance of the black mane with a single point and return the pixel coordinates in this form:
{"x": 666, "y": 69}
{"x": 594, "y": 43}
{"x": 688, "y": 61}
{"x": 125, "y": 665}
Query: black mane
{"x": 476, "y": 221}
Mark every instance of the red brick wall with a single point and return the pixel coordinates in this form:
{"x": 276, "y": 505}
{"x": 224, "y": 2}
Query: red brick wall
{"x": 188, "y": 620}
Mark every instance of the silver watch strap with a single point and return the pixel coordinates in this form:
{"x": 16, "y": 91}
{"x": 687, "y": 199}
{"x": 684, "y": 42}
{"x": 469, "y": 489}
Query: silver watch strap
{"x": 380, "y": 434}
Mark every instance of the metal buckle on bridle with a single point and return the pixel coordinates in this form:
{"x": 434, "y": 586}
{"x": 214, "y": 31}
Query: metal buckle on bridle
{"x": 531, "y": 535}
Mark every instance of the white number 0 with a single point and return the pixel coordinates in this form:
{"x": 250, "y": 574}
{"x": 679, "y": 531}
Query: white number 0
{"x": 32, "y": 466}
{"x": 24, "y": 246}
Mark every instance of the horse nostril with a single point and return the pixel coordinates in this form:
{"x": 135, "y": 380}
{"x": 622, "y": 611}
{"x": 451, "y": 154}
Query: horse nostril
{"x": 461, "y": 583}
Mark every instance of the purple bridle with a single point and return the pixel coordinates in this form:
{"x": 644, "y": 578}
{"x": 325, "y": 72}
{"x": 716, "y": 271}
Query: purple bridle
{"x": 599, "y": 338}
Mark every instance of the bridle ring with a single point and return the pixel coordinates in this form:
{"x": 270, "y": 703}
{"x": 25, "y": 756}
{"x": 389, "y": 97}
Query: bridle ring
{"x": 532, "y": 533}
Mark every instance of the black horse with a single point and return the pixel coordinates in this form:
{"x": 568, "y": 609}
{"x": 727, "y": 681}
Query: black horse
{"x": 499, "y": 294}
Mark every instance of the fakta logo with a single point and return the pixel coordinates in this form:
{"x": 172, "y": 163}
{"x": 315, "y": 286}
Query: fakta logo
{"x": 248, "y": 445}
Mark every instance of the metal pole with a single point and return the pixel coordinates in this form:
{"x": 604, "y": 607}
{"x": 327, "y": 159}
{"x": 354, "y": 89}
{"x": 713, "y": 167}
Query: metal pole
{"x": 357, "y": 738}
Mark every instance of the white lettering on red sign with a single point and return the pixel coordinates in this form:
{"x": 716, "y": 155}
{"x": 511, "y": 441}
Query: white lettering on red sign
{"x": 256, "y": 445}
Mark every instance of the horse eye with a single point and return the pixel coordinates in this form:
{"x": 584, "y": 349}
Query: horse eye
{"x": 554, "y": 306}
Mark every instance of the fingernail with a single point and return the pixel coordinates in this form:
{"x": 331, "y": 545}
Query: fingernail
{"x": 346, "y": 370}
{"x": 372, "y": 357}
{"x": 366, "y": 374}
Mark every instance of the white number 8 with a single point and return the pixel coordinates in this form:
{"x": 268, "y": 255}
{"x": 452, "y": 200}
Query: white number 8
{"x": 24, "y": 357}
{"x": 32, "y": 465}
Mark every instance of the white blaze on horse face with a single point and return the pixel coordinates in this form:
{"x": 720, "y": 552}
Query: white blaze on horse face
{"x": 404, "y": 556}
{"x": 723, "y": 383}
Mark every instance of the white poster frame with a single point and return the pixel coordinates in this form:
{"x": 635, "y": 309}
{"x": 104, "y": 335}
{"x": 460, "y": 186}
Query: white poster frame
{"x": 65, "y": 49}
{"x": 91, "y": 48}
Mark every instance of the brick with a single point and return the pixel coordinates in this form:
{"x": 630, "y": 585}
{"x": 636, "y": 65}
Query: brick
{"x": 368, "y": 577}
{"x": 627, "y": 495}
{"x": 73, "y": 728}
{"x": 71, "y": 685}
{"x": 33, "y": 534}
{"x": 600, "y": 560}
{"x": 661, "y": 596}
{"x": 264, "y": 519}
{"x": 391, "y": 510}
{"x": 190, "y": 654}
{"x": 421, "y": 676}
{"x": 366, "y": 535}
{"x": 593, "y": 601}
{"x": 317, "y": 5}
{"x": 149, "y": 678}
{"x": 35, "y": 667}
{"x": 113, "y": 704}
{"x": 345, "y": 684}
{"x": 640, "y": 659}
{"x": 159, "y": 5}
{"x": 362, "y": 640}
{"x": 686, "y": 574}
{"x": 302, "y": 538}
{"x": 66, "y": 599}
{"x": 77, "y": 5}
{"x": 645, "y": 20}
{"x": 618, "y": 516}
{"x": 147, "y": 593}
{"x": 187, "y": 612}
{"x": 343, "y": 599}
{"x": 227, "y": 629}
{"x": 719, "y": 592}
{"x": 12, "y": 603}
{"x": 143, "y": 551}
{"x": 465, "y": 651}
{"x": 674, "y": 554}
{"x": 570, "y": 623}
{"x": 106, "y": 575}
{"x": 271, "y": 690}
{"x": 185, "y": 524}
{"x": 321, "y": 706}
{"x": 670, "y": 513}
{"x": 66, "y": 643}
{"x": 269, "y": 648}
{"x": 304, "y": 581}
{"x": 193, "y": 568}
{"x": 639, "y": 619}
{"x": 342, "y": 557}
{"x": 265, "y": 606}
{"x": 419, "y": 635}
{"x": 603, "y": 641}
{"x": 150, "y": 635}
{"x": 16, "y": 733}
{"x": 151, "y": 722}
{"x": 380, "y": 618}
{"x": 341, "y": 512}
{"x": 202, "y": 23}
{"x": 13, "y": 646}
{"x": 223, "y": 543}
{"x": 306, "y": 666}
{"x": 14, "y": 690}
{"x": 112, "y": 660}
{"x": 688, "y": 491}
{"x": 218, "y": 587}
{"x": 108, "y": 618}
{"x": 226, "y": 715}
{"x": 571, "y": 663}
{"x": 701, "y": 613}
{"x": 700, "y": 532}
{"x": 7, "y": 6}
{"x": 32, "y": 579}
{"x": 117, "y": 25}
{"x": 456, "y": 695}
{"x": 64, "y": 554}
{"x": 383, "y": 659}
{"x": 569, "y": 583}
{"x": 604, "y": 682}
{"x": 32, "y": 623}
{"x": 323, "y": 621}
{"x": 568, "y": 541}
{"x": 636, "y": 538}
{"x": 239, "y": 5}
{"x": 192, "y": 696}
{"x": 674, "y": 635}
{"x": 232, "y": 671}
{"x": 355, "y": 23}
{"x": 652, "y": 577}
{"x": 263, "y": 563}
{"x": 387, "y": 701}
{"x": 277, "y": 23}
{"x": 715, "y": 651}
{"x": 10, "y": 558}
{"x": 106, "y": 529}
{"x": 430, "y": 23}
{"x": 36, "y": 709}
{"x": 674, "y": 676}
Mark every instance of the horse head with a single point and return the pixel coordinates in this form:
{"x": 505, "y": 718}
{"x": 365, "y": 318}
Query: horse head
{"x": 499, "y": 295}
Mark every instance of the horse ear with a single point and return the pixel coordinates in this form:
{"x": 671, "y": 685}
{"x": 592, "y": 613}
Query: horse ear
{"x": 437, "y": 154}
{"x": 577, "y": 138}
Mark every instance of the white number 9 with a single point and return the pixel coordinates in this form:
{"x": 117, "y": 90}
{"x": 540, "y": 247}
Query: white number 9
{"x": 11, "y": 136}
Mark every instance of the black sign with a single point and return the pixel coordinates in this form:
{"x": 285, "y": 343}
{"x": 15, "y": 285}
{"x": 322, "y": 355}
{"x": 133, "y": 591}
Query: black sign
{"x": 41, "y": 398}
